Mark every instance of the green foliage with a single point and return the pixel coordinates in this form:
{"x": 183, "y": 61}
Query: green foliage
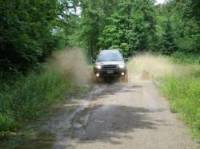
{"x": 29, "y": 97}
{"x": 168, "y": 39}
{"x": 184, "y": 98}
{"x": 117, "y": 34}
{"x": 6, "y": 123}
{"x": 26, "y": 32}
{"x": 131, "y": 27}
{"x": 31, "y": 30}
{"x": 139, "y": 25}
{"x": 186, "y": 58}
{"x": 178, "y": 26}
{"x": 91, "y": 24}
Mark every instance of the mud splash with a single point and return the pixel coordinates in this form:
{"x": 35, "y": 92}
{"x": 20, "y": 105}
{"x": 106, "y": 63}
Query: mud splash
{"x": 73, "y": 63}
{"x": 148, "y": 67}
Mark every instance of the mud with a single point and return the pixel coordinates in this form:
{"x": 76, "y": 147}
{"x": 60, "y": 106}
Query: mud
{"x": 148, "y": 66}
{"x": 71, "y": 63}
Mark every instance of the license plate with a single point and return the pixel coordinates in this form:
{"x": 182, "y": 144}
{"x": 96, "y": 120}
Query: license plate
{"x": 110, "y": 71}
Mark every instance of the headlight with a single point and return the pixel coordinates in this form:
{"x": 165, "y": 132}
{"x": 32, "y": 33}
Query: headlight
{"x": 121, "y": 66}
{"x": 98, "y": 66}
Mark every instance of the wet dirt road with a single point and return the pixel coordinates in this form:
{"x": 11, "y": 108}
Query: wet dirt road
{"x": 117, "y": 116}
{"x": 124, "y": 116}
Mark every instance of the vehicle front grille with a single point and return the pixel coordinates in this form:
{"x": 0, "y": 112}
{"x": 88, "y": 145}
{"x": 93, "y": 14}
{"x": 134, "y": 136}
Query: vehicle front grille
{"x": 109, "y": 67}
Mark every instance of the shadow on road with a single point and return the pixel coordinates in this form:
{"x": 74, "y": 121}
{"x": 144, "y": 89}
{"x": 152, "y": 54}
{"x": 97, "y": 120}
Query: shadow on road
{"x": 110, "y": 123}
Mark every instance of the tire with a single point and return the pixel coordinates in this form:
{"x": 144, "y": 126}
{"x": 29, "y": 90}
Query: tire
{"x": 98, "y": 80}
{"x": 124, "y": 78}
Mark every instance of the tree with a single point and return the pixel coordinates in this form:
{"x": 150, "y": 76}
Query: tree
{"x": 131, "y": 27}
{"x": 168, "y": 41}
{"x": 30, "y": 31}
{"x": 93, "y": 19}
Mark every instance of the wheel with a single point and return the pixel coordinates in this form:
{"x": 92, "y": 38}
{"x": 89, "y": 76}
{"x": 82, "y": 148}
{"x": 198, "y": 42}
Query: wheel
{"x": 124, "y": 78}
{"x": 96, "y": 79}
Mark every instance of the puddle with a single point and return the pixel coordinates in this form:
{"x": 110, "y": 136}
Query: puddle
{"x": 42, "y": 141}
{"x": 30, "y": 140}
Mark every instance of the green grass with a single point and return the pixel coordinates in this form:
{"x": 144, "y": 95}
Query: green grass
{"x": 183, "y": 93}
{"x": 186, "y": 58}
{"x": 30, "y": 97}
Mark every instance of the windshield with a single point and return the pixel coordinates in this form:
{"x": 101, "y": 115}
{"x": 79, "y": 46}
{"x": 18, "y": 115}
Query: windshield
{"x": 109, "y": 56}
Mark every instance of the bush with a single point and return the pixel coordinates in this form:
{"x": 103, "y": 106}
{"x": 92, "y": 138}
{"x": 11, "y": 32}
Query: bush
{"x": 26, "y": 32}
{"x": 6, "y": 122}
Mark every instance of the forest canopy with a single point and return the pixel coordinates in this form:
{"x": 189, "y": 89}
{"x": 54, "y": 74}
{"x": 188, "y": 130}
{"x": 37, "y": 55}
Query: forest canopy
{"x": 32, "y": 29}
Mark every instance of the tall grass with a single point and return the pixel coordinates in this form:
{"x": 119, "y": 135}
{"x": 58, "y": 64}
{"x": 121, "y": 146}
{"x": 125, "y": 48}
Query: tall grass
{"x": 183, "y": 92}
{"x": 178, "y": 77}
{"x": 29, "y": 97}
{"x": 186, "y": 58}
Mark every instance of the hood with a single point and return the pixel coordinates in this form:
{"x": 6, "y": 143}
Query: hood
{"x": 110, "y": 63}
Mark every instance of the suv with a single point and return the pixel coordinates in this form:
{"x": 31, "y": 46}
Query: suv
{"x": 110, "y": 64}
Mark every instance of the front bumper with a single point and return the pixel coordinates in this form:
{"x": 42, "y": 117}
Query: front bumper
{"x": 118, "y": 72}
